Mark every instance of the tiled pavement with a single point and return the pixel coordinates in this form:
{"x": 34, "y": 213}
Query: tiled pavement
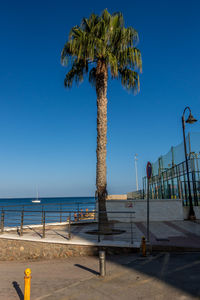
{"x": 161, "y": 276}
{"x": 176, "y": 233}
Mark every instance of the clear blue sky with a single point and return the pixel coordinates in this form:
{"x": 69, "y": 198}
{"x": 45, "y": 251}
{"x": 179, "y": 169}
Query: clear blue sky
{"x": 48, "y": 133}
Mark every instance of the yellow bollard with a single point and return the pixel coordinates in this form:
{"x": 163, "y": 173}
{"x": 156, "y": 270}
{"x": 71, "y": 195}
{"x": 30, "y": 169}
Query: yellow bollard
{"x": 143, "y": 246}
{"x": 27, "y": 284}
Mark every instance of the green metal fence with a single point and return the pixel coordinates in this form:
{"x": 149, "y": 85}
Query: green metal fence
{"x": 169, "y": 180}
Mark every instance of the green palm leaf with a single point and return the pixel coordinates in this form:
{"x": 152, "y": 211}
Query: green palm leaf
{"x": 103, "y": 38}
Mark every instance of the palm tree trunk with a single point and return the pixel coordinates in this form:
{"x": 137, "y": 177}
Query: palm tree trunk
{"x": 101, "y": 181}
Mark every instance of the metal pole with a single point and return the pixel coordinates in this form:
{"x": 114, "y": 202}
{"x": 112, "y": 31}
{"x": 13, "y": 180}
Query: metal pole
{"x": 42, "y": 214}
{"x": 22, "y": 222}
{"x": 102, "y": 263}
{"x": 179, "y": 182}
{"x": 148, "y": 212}
{"x": 160, "y": 162}
{"x": 2, "y": 220}
{"x": 192, "y": 164}
{"x": 172, "y": 172}
{"x": 185, "y": 185}
{"x": 43, "y": 228}
{"x": 69, "y": 227}
{"x": 191, "y": 210}
{"x": 60, "y": 213}
{"x": 143, "y": 186}
{"x": 197, "y": 176}
{"x": 197, "y": 165}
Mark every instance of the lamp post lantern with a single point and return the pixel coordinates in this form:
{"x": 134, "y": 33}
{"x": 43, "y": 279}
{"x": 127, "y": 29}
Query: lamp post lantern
{"x": 190, "y": 120}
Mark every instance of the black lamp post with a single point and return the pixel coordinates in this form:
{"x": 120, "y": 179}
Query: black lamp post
{"x": 190, "y": 120}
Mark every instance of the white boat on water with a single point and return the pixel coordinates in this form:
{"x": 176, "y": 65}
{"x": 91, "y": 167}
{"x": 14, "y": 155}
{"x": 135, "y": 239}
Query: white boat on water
{"x": 37, "y": 200}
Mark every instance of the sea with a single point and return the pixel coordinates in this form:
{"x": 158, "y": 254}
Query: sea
{"x": 17, "y": 211}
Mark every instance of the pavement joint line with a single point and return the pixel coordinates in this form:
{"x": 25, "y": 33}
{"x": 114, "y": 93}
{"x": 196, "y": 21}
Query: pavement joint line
{"x": 150, "y": 259}
{"x": 66, "y": 287}
{"x": 184, "y": 267}
{"x": 165, "y": 263}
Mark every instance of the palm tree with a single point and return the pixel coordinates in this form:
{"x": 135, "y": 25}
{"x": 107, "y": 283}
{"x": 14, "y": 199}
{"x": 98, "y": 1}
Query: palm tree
{"x": 102, "y": 47}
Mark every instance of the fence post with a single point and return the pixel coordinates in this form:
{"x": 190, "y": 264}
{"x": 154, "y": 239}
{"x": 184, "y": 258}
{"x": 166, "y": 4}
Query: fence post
{"x": 42, "y": 214}
{"x": 60, "y": 213}
{"x": 69, "y": 227}
{"x": 43, "y": 227}
{"x": 22, "y": 222}
{"x": 27, "y": 284}
{"x": 131, "y": 229}
{"x": 2, "y": 220}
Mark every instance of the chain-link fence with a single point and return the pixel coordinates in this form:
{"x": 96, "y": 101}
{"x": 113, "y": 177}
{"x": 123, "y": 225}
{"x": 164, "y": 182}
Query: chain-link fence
{"x": 169, "y": 177}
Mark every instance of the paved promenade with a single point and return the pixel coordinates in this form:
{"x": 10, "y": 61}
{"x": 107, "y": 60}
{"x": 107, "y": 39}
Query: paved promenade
{"x": 184, "y": 234}
{"x": 163, "y": 276}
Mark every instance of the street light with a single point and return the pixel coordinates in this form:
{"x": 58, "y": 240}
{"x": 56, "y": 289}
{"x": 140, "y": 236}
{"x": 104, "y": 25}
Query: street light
{"x": 190, "y": 120}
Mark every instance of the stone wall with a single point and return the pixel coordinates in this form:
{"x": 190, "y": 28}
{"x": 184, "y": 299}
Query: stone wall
{"x": 12, "y": 250}
{"x": 24, "y": 250}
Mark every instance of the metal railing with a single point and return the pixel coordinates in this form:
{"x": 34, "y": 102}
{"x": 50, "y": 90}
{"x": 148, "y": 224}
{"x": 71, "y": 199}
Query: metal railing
{"x": 20, "y": 219}
{"x": 117, "y": 226}
{"x": 33, "y": 210}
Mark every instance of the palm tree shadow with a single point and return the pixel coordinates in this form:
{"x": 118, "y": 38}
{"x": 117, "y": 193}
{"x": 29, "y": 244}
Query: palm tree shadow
{"x": 87, "y": 269}
{"x": 18, "y": 290}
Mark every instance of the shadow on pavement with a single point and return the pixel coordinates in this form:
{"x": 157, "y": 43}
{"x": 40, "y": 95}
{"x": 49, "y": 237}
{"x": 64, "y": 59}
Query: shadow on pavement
{"x": 87, "y": 269}
{"x": 18, "y": 290}
{"x": 179, "y": 270}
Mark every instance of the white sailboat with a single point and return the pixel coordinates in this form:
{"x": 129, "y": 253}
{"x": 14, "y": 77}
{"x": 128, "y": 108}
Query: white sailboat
{"x": 37, "y": 200}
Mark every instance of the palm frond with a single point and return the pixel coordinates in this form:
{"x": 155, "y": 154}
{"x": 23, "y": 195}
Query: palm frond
{"x": 92, "y": 77}
{"x": 130, "y": 80}
{"x": 112, "y": 61}
{"x": 130, "y": 57}
{"x": 79, "y": 68}
{"x": 103, "y": 38}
